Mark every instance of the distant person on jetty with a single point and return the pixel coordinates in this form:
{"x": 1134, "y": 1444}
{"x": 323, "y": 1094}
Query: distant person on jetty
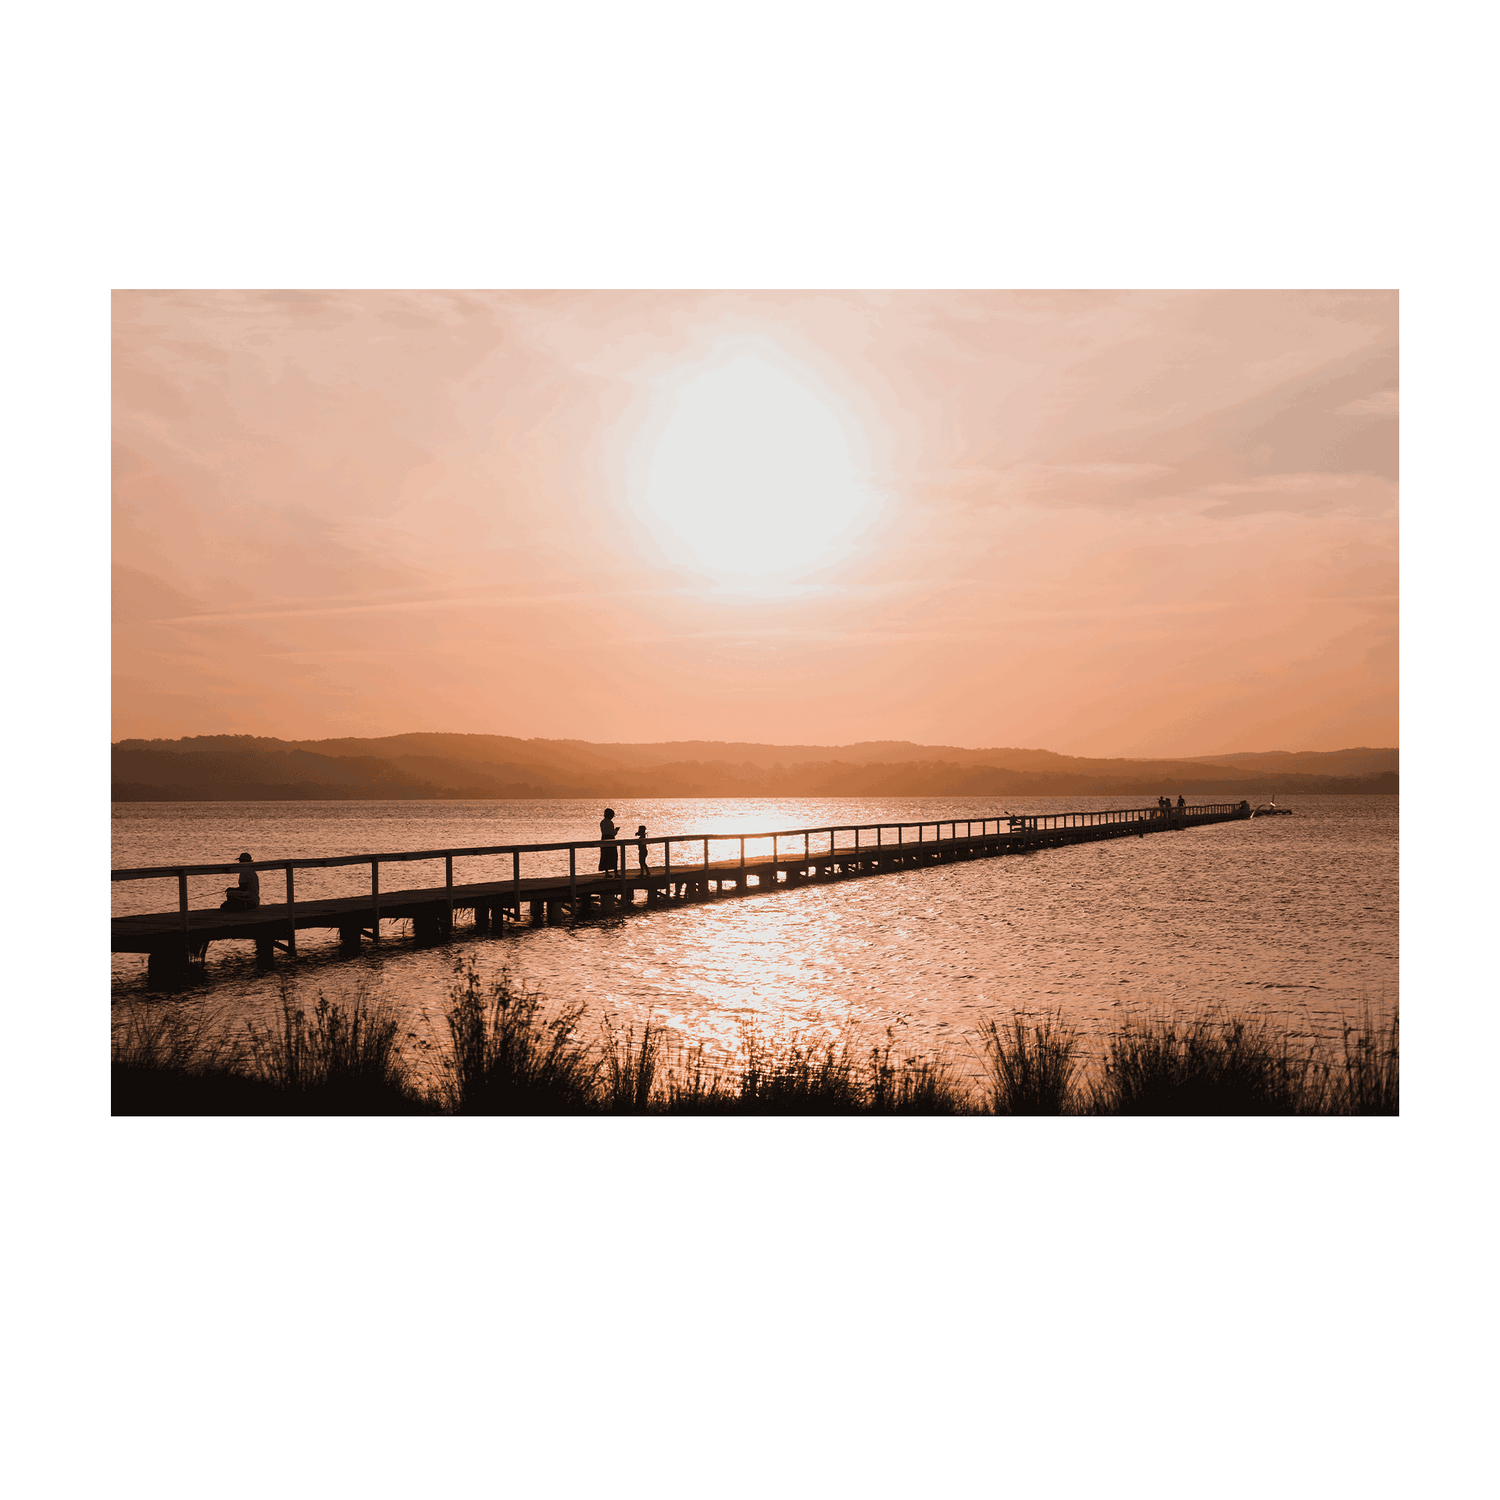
{"x": 640, "y": 848}
{"x": 246, "y": 895}
{"x": 1181, "y": 802}
{"x": 608, "y": 853}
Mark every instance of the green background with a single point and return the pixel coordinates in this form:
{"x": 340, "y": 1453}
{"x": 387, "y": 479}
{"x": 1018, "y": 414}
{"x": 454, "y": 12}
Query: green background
{"x": 725, "y": 1335}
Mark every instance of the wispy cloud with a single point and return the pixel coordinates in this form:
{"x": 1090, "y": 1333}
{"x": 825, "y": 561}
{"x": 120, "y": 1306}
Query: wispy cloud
{"x": 1286, "y": 484}
{"x": 1381, "y": 404}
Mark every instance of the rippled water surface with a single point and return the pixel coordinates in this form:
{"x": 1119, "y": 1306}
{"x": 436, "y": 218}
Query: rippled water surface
{"x": 1293, "y": 918}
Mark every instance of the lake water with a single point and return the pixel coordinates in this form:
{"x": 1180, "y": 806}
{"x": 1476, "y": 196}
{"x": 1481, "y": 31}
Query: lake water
{"x": 1289, "y": 918}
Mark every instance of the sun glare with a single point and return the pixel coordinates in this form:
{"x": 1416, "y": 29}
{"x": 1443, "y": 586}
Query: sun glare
{"x": 752, "y": 472}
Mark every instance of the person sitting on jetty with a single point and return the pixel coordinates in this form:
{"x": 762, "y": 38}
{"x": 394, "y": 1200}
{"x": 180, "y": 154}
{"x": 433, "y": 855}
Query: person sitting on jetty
{"x": 609, "y": 853}
{"x": 246, "y": 895}
{"x": 640, "y": 848}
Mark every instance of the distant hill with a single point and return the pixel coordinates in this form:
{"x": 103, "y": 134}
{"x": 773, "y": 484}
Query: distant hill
{"x": 240, "y": 768}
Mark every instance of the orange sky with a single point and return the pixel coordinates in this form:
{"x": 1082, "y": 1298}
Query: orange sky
{"x": 1103, "y": 523}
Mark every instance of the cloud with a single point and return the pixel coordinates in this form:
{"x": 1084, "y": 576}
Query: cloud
{"x": 1285, "y": 484}
{"x": 1381, "y": 404}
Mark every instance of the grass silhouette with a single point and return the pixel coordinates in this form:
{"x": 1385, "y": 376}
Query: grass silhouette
{"x": 509, "y": 1051}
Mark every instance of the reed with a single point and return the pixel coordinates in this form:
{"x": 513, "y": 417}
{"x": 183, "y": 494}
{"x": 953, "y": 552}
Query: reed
{"x": 181, "y": 1060}
{"x": 1208, "y": 1066}
{"x": 1031, "y": 1069}
{"x": 173, "y": 1039}
{"x": 692, "y": 1085}
{"x": 903, "y": 1083}
{"x": 510, "y": 1052}
{"x": 1369, "y": 1082}
{"x": 797, "y": 1077}
{"x": 510, "y": 1055}
{"x": 630, "y": 1065}
{"x": 343, "y": 1057}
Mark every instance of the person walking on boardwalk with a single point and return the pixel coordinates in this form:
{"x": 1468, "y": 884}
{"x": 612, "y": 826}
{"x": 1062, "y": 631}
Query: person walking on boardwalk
{"x": 246, "y": 895}
{"x": 609, "y": 853}
{"x": 640, "y": 848}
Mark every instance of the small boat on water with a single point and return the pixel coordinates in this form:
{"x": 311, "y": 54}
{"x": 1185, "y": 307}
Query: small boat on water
{"x": 1268, "y": 809}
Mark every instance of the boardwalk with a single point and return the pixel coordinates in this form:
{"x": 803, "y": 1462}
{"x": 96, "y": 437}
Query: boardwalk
{"x": 682, "y": 869}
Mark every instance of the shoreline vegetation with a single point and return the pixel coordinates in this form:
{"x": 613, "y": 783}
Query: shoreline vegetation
{"x": 508, "y": 1051}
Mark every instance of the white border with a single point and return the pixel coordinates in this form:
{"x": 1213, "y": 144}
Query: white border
{"x": 89, "y": 1139}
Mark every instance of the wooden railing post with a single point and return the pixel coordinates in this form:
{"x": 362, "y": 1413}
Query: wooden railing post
{"x": 375, "y": 898}
{"x": 448, "y": 874}
{"x": 291, "y": 912}
{"x": 182, "y": 901}
{"x": 573, "y": 878}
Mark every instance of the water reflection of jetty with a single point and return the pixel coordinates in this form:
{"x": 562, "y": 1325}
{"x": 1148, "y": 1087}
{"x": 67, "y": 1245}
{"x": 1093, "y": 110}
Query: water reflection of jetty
{"x": 682, "y": 867}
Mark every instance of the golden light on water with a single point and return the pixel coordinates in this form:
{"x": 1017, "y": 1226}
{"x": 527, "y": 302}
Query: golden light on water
{"x": 752, "y": 473}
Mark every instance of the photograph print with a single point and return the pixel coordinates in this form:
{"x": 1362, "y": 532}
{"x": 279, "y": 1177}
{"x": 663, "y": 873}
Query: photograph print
{"x": 779, "y": 703}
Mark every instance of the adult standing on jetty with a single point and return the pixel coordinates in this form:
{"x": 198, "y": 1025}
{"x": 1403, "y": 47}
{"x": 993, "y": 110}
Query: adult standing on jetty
{"x": 246, "y": 895}
{"x": 608, "y": 853}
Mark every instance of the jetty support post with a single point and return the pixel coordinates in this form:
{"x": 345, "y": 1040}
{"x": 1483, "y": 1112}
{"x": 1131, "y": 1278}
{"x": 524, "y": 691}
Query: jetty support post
{"x": 448, "y": 897}
{"x": 291, "y": 912}
{"x": 667, "y": 866}
{"x": 375, "y": 898}
{"x": 573, "y": 881}
{"x": 182, "y": 901}
{"x": 515, "y": 881}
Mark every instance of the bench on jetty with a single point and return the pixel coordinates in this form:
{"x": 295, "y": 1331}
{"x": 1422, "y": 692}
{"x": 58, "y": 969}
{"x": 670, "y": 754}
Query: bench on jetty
{"x": 172, "y": 939}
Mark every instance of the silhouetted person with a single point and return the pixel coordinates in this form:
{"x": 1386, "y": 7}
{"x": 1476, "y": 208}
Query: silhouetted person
{"x": 246, "y": 895}
{"x": 640, "y": 848}
{"x": 1181, "y": 802}
{"x": 609, "y": 853}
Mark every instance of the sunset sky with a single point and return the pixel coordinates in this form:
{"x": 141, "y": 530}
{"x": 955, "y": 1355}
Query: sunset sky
{"x": 1102, "y": 523}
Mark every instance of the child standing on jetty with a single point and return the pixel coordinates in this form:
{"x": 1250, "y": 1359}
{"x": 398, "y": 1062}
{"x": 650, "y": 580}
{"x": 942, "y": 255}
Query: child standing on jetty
{"x": 640, "y": 848}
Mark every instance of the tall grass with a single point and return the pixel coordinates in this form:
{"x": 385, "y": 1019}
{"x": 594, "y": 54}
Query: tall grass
{"x": 902, "y": 1083}
{"x": 1208, "y": 1066}
{"x": 340, "y": 1058}
{"x": 1369, "y": 1082}
{"x": 648, "y": 1072}
{"x": 630, "y": 1065}
{"x": 511, "y": 1055}
{"x": 1031, "y": 1069}
{"x": 510, "y": 1052}
{"x": 174, "y": 1039}
{"x": 692, "y": 1085}
{"x": 181, "y": 1060}
{"x": 798, "y": 1077}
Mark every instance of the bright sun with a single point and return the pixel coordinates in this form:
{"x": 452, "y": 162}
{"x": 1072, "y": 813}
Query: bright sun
{"x": 752, "y": 472}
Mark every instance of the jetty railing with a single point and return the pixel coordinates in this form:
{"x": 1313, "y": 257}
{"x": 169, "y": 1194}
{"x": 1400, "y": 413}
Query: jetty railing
{"x": 883, "y": 834}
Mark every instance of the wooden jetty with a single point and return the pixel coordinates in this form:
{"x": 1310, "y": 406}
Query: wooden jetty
{"x": 686, "y": 871}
